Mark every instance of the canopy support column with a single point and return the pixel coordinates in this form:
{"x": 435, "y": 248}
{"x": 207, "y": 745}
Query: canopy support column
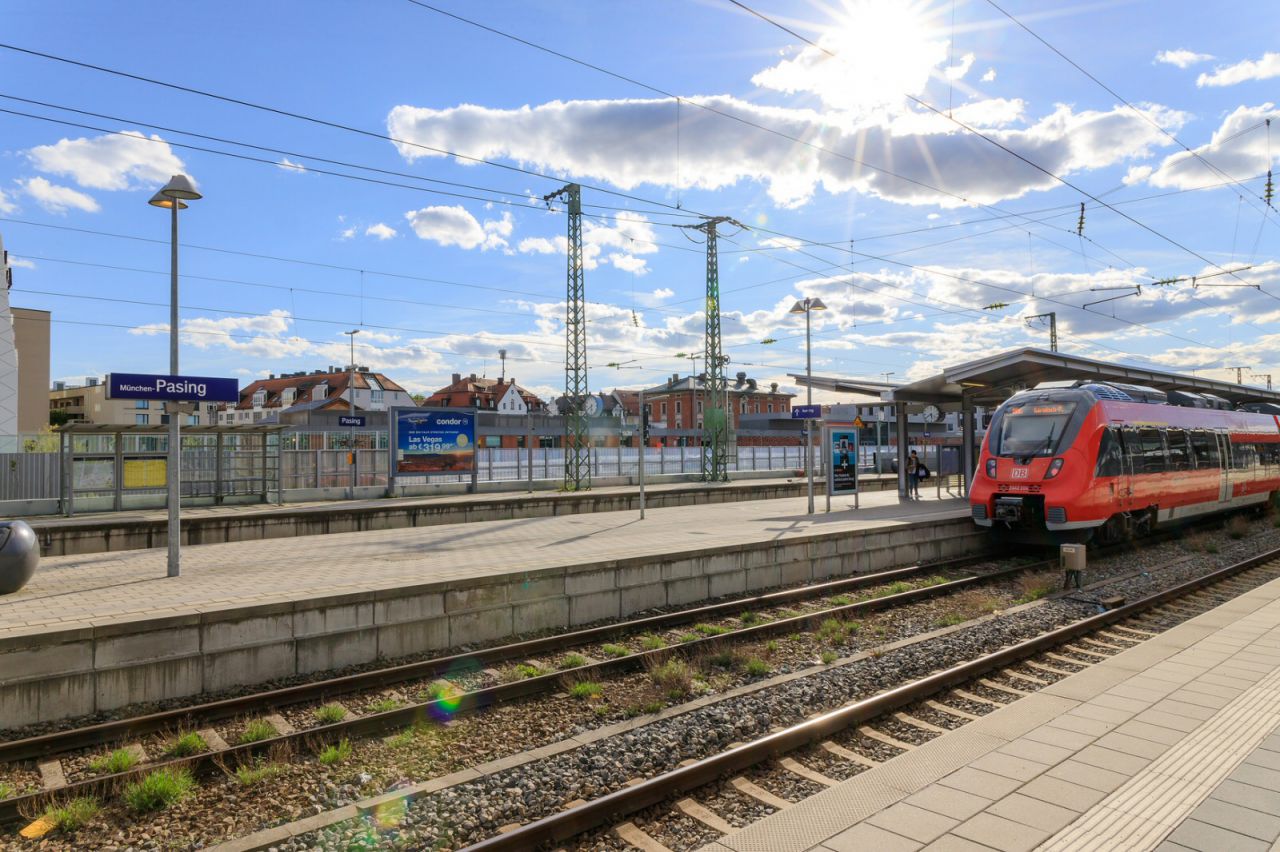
{"x": 968, "y": 438}
{"x": 900, "y": 416}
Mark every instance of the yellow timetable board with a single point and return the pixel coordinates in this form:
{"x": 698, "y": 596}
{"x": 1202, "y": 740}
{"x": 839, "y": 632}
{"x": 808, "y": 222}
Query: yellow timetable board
{"x": 145, "y": 473}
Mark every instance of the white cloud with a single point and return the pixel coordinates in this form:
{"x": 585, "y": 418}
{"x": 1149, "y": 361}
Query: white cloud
{"x": 625, "y": 142}
{"x": 990, "y": 76}
{"x": 957, "y": 72}
{"x": 21, "y": 263}
{"x": 1182, "y": 58}
{"x": 618, "y": 244}
{"x": 1234, "y": 152}
{"x": 933, "y": 216}
{"x": 290, "y": 166}
{"x": 662, "y": 293}
{"x": 454, "y": 226}
{"x": 6, "y": 204}
{"x": 130, "y": 160}
{"x": 381, "y": 230}
{"x": 58, "y": 199}
{"x": 1249, "y": 69}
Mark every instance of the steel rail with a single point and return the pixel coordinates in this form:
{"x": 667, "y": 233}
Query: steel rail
{"x": 570, "y": 823}
{"x": 120, "y": 729}
{"x": 212, "y": 762}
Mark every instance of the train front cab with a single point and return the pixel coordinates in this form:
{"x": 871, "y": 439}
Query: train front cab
{"x": 1032, "y": 468}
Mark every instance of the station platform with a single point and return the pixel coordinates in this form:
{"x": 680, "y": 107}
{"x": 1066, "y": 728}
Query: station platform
{"x": 97, "y": 631}
{"x": 102, "y": 532}
{"x": 1171, "y": 745}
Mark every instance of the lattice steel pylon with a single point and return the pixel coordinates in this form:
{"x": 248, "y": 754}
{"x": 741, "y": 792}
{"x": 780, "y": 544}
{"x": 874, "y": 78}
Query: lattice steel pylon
{"x": 716, "y": 415}
{"x": 577, "y": 438}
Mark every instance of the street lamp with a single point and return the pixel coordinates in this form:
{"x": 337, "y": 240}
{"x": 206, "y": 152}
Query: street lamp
{"x": 807, "y": 306}
{"x": 351, "y": 400}
{"x": 175, "y": 192}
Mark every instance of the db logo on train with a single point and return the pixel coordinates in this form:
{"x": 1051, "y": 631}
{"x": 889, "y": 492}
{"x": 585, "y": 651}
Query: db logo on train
{"x": 1019, "y": 473}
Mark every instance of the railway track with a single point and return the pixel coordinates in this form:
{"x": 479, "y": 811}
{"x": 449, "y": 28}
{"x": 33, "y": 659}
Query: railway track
{"x": 1010, "y": 673}
{"x": 45, "y": 750}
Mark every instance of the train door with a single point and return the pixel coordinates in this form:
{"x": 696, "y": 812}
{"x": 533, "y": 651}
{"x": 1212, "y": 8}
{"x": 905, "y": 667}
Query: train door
{"x": 1224, "y": 480}
{"x": 1129, "y": 449}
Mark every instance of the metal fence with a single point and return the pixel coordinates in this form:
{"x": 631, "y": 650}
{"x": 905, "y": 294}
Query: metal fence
{"x": 319, "y": 460}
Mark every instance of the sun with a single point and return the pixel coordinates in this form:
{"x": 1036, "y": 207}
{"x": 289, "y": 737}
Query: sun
{"x": 884, "y": 50}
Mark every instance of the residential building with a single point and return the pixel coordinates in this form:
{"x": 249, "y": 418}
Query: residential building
{"x": 88, "y": 403}
{"x": 331, "y": 390}
{"x": 678, "y": 405}
{"x": 31, "y": 338}
{"x": 8, "y": 360}
{"x": 501, "y": 395}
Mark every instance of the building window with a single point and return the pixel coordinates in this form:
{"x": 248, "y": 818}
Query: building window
{"x": 164, "y": 420}
{"x": 678, "y": 407}
{"x": 664, "y": 411}
{"x": 376, "y": 396}
{"x": 141, "y": 419}
{"x": 771, "y": 408}
{"x": 699, "y": 406}
{"x": 193, "y": 419}
{"x": 142, "y": 403}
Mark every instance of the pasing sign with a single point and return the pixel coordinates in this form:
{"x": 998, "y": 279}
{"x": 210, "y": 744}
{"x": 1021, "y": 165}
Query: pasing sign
{"x": 351, "y": 420}
{"x": 172, "y": 388}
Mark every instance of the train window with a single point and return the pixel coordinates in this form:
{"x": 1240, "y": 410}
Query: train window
{"x": 1110, "y": 455}
{"x": 1179, "y": 458}
{"x": 1148, "y": 455}
{"x": 1244, "y": 456}
{"x": 1269, "y": 454}
{"x": 1204, "y": 446}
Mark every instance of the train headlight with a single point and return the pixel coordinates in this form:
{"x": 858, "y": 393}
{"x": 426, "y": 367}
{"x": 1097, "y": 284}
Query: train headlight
{"x": 1054, "y": 467}
{"x": 991, "y": 468}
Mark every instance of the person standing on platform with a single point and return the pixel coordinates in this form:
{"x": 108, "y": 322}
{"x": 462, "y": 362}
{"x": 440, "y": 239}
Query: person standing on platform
{"x": 913, "y": 475}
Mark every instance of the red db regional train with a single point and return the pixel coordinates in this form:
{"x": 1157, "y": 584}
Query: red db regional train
{"x": 1107, "y": 461}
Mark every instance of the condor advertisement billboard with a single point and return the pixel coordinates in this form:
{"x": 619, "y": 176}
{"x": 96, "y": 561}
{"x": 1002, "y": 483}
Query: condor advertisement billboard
{"x": 428, "y": 441}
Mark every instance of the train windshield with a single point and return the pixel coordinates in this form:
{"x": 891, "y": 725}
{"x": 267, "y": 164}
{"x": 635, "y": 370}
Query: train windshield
{"x": 1033, "y": 429}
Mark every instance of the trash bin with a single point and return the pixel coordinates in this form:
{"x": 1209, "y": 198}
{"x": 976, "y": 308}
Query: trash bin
{"x": 19, "y": 555}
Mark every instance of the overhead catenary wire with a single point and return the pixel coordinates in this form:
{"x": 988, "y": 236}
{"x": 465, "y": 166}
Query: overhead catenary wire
{"x": 988, "y": 139}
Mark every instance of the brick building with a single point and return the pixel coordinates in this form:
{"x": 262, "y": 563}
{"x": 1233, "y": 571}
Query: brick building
{"x": 678, "y": 405}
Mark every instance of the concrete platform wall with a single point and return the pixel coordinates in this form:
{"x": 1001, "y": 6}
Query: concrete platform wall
{"x": 77, "y": 537}
{"x": 47, "y": 676}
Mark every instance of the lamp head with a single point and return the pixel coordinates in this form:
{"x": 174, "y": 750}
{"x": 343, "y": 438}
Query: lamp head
{"x": 816, "y": 304}
{"x": 797, "y": 308}
{"x": 180, "y": 187}
{"x": 160, "y": 200}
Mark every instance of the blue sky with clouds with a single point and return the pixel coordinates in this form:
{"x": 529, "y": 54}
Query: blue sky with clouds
{"x": 906, "y": 223}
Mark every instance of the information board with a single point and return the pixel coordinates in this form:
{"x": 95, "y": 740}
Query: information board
{"x": 842, "y": 473}
{"x": 439, "y": 441}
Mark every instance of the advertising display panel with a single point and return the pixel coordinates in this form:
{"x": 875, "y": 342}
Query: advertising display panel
{"x": 842, "y": 448}
{"x": 433, "y": 441}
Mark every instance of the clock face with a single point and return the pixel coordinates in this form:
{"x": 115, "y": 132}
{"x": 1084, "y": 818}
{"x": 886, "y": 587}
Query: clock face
{"x": 932, "y": 414}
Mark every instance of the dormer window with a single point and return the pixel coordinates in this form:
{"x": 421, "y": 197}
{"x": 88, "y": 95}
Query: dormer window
{"x": 259, "y": 398}
{"x": 287, "y": 397}
{"x": 320, "y": 391}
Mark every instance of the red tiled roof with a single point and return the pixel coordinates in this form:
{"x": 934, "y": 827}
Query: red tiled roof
{"x": 304, "y": 385}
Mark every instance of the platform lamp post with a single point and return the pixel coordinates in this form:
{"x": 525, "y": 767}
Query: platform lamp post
{"x": 175, "y": 192}
{"x": 807, "y": 306}
{"x": 351, "y": 400}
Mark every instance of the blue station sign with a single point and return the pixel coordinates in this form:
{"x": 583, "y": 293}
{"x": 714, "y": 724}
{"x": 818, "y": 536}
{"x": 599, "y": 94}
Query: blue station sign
{"x": 806, "y": 412}
{"x": 351, "y": 420}
{"x": 172, "y": 388}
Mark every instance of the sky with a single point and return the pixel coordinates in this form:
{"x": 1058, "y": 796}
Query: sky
{"x": 381, "y": 166}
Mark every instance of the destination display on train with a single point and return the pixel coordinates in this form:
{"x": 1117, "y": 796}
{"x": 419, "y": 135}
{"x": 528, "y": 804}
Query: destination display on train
{"x": 1042, "y": 408}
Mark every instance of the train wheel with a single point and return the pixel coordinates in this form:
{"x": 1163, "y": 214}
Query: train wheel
{"x": 1115, "y": 530}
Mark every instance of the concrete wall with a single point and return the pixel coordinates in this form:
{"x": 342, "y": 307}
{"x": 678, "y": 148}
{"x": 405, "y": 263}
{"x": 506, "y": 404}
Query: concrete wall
{"x": 46, "y": 676}
{"x": 62, "y": 537}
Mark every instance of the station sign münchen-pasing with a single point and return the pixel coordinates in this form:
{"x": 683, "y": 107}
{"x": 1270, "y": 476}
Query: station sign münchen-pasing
{"x": 172, "y": 388}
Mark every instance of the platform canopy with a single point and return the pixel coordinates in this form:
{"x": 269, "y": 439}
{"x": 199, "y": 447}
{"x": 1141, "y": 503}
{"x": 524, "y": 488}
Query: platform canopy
{"x": 989, "y": 381}
{"x": 163, "y": 429}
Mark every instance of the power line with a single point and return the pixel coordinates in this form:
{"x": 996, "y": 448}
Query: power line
{"x": 995, "y": 143}
{"x": 1119, "y": 97}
